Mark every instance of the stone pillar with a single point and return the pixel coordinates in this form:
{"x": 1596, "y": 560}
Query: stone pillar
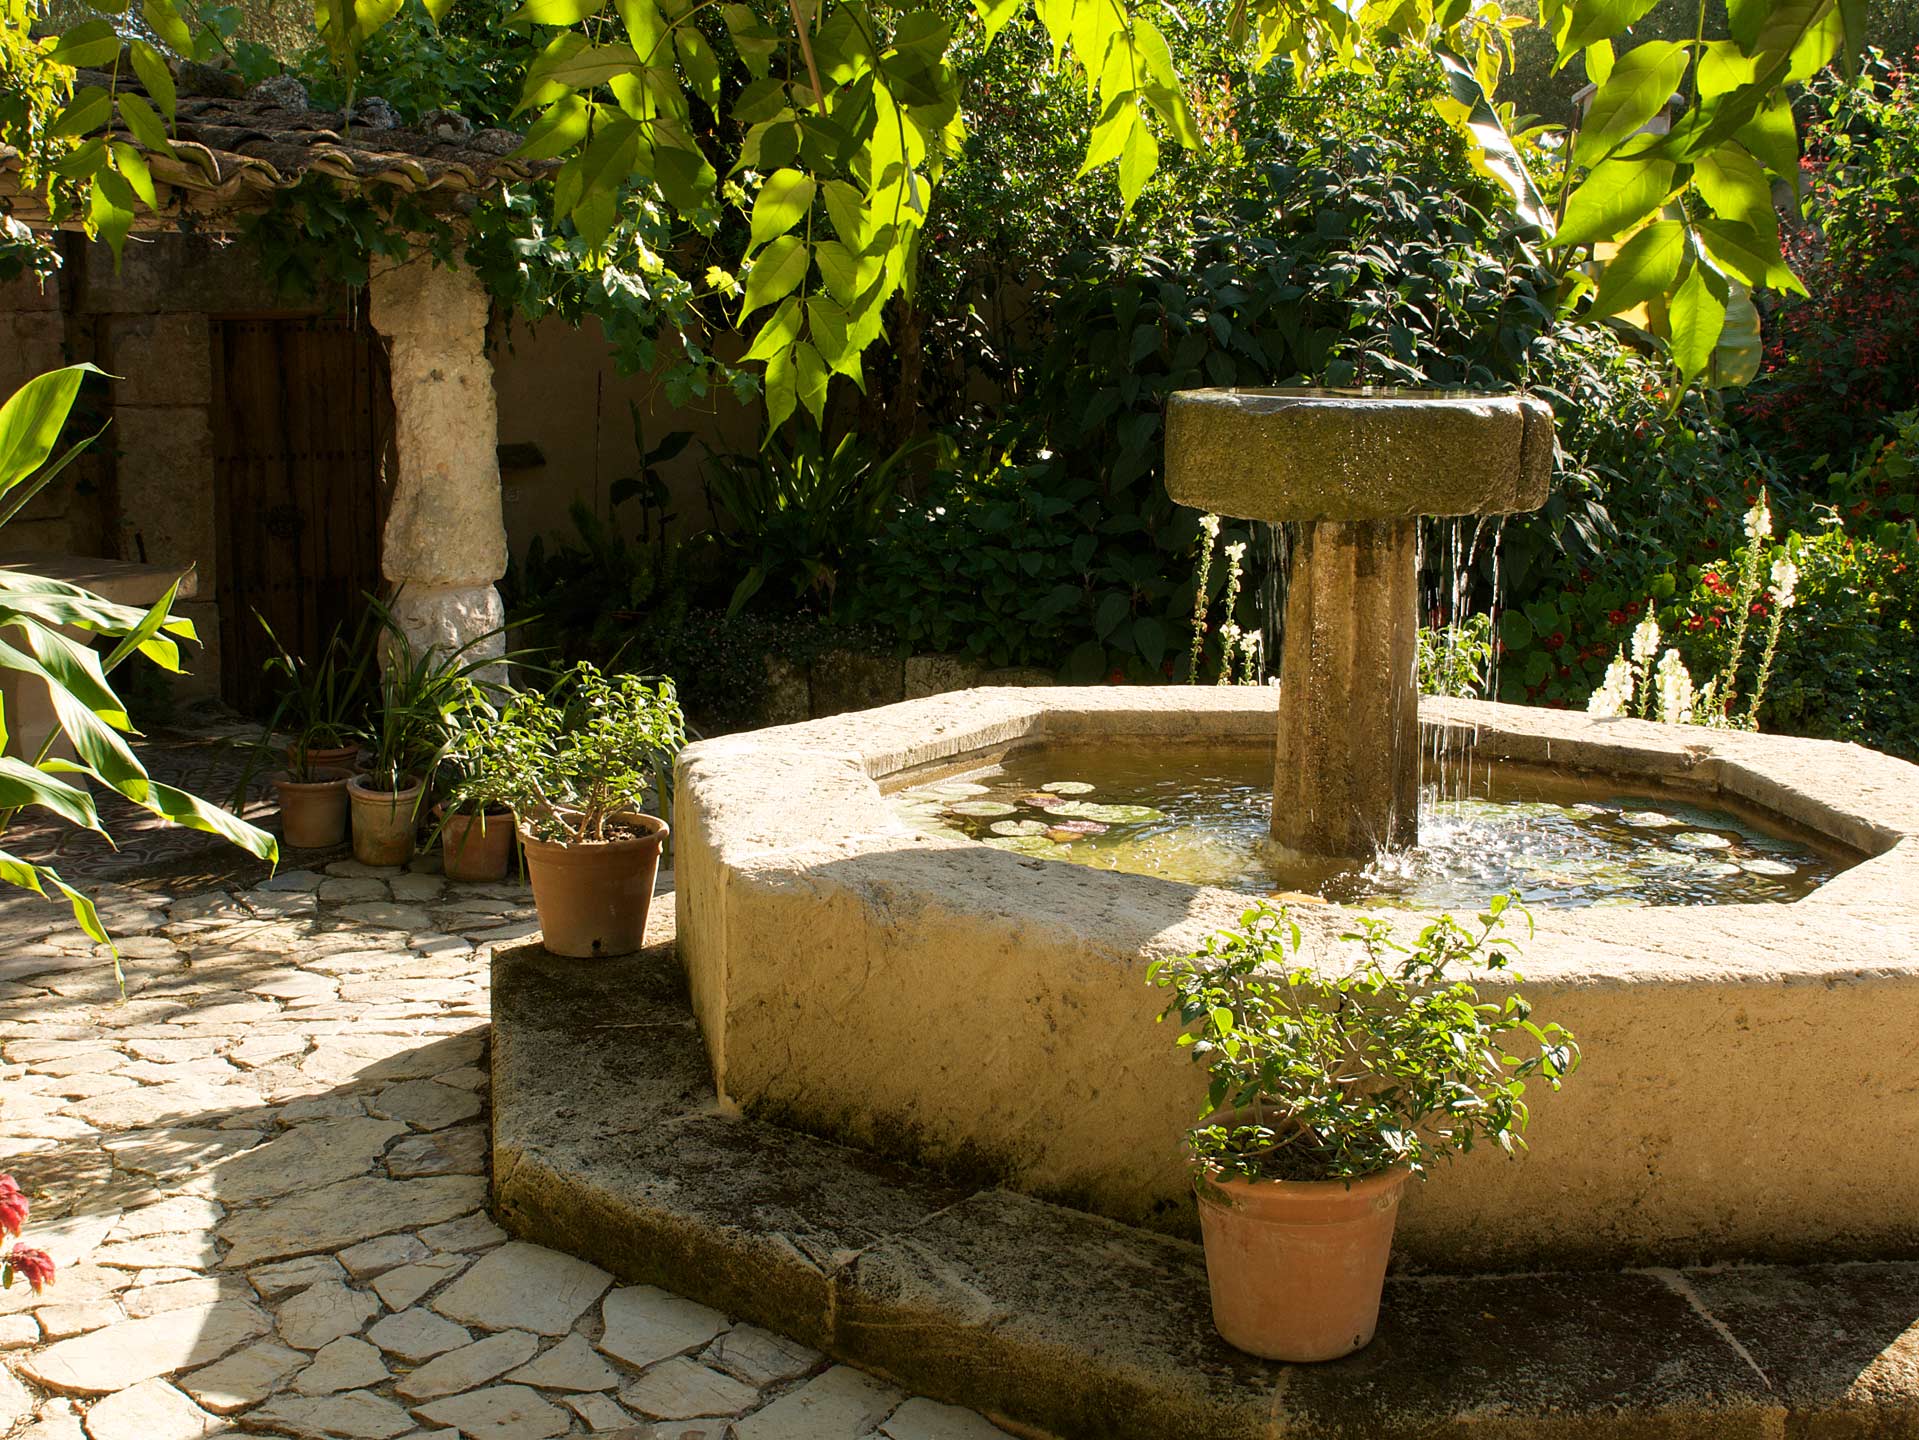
{"x": 445, "y": 539}
{"x": 1347, "y": 777}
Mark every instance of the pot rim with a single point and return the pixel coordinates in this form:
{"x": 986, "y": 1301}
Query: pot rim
{"x": 1362, "y": 1185}
{"x": 657, "y": 831}
{"x": 334, "y": 776}
{"x": 355, "y": 784}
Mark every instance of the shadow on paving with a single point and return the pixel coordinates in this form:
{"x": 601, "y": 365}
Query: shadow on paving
{"x": 262, "y": 1173}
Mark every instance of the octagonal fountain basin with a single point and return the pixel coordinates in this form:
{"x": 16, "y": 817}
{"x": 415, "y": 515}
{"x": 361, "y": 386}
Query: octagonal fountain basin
{"x": 865, "y": 966}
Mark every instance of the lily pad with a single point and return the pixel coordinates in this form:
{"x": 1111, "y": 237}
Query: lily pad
{"x": 957, "y": 789}
{"x": 980, "y": 808}
{"x": 1020, "y": 844}
{"x": 1700, "y": 840}
{"x": 1017, "y": 827}
{"x": 1109, "y": 814}
{"x": 1760, "y": 865}
{"x": 1715, "y": 869}
{"x": 1079, "y": 827}
{"x": 1067, "y": 787}
{"x": 1647, "y": 819}
{"x": 1040, "y": 800}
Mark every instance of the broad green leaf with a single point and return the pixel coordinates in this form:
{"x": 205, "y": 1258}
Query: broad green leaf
{"x": 1497, "y": 153}
{"x": 1646, "y": 267}
{"x": 782, "y": 203}
{"x": 826, "y": 325}
{"x": 782, "y": 396}
{"x": 1109, "y": 135}
{"x": 554, "y": 12}
{"x": 1136, "y": 163}
{"x": 1773, "y": 137}
{"x": 138, "y": 638}
{"x": 1739, "y": 250}
{"x": 1616, "y": 196}
{"x": 838, "y": 269}
{"x": 1593, "y": 21}
{"x": 164, "y": 19}
{"x": 701, "y": 65}
{"x": 775, "y": 274}
{"x": 153, "y": 74}
{"x": 994, "y": 14}
{"x": 561, "y": 126}
{"x": 87, "y": 46}
{"x": 194, "y": 813}
{"x": 1735, "y": 359}
{"x": 760, "y": 101}
{"x": 1736, "y": 187}
{"x": 21, "y": 785}
{"x": 1599, "y": 61}
{"x": 90, "y": 109}
{"x": 752, "y": 38}
{"x": 1695, "y": 316}
{"x": 646, "y": 28}
{"x": 1640, "y": 87}
{"x": 146, "y": 125}
{"x": 810, "y": 377}
{"x": 779, "y": 332}
{"x": 575, "y": 67}
{"x": 31, "y": 421}
{"x": 846, "y": 208}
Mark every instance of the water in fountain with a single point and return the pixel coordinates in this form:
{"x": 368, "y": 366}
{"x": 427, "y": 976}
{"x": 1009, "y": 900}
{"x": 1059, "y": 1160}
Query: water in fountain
{"x": 1199, "y": 815}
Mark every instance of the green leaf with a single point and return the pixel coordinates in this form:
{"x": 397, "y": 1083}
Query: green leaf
{"x": 838, "y": 269}
{"x": 1735, "y": 359}
{"x": 22, "y": 785}
{"x": 994, "y": 14}
{"x": 775, "y": 274}
{"x": 90, "y": 109}
{"x": 782, "y": 203}
{"x": 826, "y": 326}
{"x": 87, "y": 46}
{"x": 1616, "y": 196}
{"x": 1695, "y": 317}
{"x": 810, "y": 379}
{"x": 782, "y": 396}
{"x": 1137, "y": 162}
{"x": 31, "y": 421}
{"x": 701, "y": 65}
{"x": 779, "y": 332}
{"x": 1755, "y": 259}
{"x": 153, "y": 74}
{"x": 1737, "y": 188}
{"x": 1640, "y": 87}
{"x": 164, "y": 19}
{"x": 1774, "y": 138}
{"x": 554, "y": 12}
{"x": 194, "y": 813}
{"x": 1497, "y": 152}
{"x": 1597, "y": 20}
{"x": 561, "y": 126}
{"x": 646, "y": 28}
{"x": 147, "y": 127}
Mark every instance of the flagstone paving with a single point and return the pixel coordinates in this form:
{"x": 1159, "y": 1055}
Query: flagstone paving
{"x": 262, "y": 1173}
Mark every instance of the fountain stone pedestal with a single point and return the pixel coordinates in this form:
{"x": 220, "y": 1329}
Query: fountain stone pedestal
{"x": 1354, "y": 470}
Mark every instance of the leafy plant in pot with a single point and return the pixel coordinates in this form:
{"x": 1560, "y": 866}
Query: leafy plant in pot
{"x": 475, "y": 813}
{"x": 575, "y": 764}
{"x": 423, "y": 695}
{"x": 324, "y": 703}
{"x": 1329, "y": 1088}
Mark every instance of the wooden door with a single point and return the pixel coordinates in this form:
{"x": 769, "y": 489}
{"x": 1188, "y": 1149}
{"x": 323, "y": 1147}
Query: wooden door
{"x": 303, "y": 434}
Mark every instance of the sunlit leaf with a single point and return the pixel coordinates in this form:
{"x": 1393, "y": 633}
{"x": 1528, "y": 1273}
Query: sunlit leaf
{"x": 1646, "y": 267}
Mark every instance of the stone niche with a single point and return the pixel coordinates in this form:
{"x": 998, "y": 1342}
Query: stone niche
{"x": 1749, "y": 1070}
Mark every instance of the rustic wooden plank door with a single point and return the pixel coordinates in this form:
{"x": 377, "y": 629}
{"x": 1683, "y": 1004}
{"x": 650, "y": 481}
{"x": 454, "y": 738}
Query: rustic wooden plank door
{"x": 303, "y": 432}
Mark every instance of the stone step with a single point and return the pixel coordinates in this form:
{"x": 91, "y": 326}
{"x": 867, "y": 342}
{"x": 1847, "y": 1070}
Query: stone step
{"x": 609, "y": 1143}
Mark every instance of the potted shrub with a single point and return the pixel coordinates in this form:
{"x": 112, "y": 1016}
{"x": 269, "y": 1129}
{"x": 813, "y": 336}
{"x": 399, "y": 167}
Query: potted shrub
{"x": 313, "y": 797}
{"x": 1328, "y": 1089}
{"x": 323, "y": 702}
{"x": 576, "y": 764}
{"x": 475, "y": 811}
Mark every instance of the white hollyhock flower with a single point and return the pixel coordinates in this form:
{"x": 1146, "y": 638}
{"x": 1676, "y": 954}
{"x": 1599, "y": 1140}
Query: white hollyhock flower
{"x": 1614, "y": 694}
{"x": 1785, "y": 575}
{"x": 1645, "y": 640}
{"x": 1675, "y": 690}
{"x": 1758, "y": 521}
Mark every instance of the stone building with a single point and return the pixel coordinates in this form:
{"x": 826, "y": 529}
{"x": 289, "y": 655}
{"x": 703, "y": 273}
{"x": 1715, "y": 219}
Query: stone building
{"x": 300, "y": 451}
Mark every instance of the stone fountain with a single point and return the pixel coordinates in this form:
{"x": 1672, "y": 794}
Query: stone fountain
{"x": 1354, "y": 470}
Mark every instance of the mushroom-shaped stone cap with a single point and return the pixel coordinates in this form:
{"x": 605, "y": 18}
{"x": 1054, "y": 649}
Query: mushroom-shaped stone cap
{"x": 1357, "y": 454}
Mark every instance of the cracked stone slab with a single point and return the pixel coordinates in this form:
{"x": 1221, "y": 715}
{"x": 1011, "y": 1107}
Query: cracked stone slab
{"x": 469, "y": 1367}
{"x": 843, "y": 1401}
{"x": 684, "y": 1389}
{"x": 343, "y": 1364}
{"x": 503, "y": 1412}
{"x": 343, "y": 1214}
{"x": 244, "y": 1378}
{"x": 570, "y": 1365}
{"x": 417, "y": 1335}
{"x": 135, "y": 1350}
{"x": 354, "y": 1415}
{"x": 322, "y": 1313}
{"x": 151, "y": 1410}
{"x": 523, "y": 1287}
{"x": 406, "y": 1286}
{"x": 644, "y": 1324}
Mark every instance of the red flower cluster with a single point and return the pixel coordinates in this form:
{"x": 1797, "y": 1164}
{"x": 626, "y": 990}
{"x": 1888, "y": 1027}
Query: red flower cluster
{"x": 35, "y": 1265}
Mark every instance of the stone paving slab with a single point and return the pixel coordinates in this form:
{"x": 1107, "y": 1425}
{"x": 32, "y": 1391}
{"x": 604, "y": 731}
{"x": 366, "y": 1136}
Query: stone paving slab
{"x": 1069, "y": 1324}
{"x": 262, "y": 1176}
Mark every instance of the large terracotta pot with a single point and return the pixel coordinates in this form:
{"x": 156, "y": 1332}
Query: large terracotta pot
{"x": 1296, "y": 1266}
{"x": 476, "y": 847}
{"x": 313, "y": 812}
{"x": 384, "y": 822}
{"x": 593, "y": 898}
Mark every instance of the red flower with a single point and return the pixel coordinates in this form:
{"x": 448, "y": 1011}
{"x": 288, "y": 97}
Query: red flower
{"x": 13, "y": 1206}
{"x": 1618, "y": 617}
{"x": 1117, "y": 677}
{"x": 1632, "y": 609}
{"x": 1555, "y": 640}
{"x": 1696, "y": 622}
{"x": 35, "y": 1265}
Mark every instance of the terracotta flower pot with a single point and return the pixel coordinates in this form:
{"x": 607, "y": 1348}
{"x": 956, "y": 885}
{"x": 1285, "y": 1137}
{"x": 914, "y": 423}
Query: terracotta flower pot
{"x": 476, "y": 847}
{"x": 384, "y": 822}
{"x": 1296, "y": 1266}
{"x": 593, "y": 898}
{"x": 313, "y": 812}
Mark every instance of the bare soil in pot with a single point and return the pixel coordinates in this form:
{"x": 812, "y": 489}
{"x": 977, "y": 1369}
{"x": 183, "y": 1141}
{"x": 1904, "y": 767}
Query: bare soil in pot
{"x": 313, "y": 813}
{"x": 384, "y": 822}
{"x": 1296, "y": 1267}
{"x": 344, "y": 758}
{"x": 593, "y": 897}
{"x": 476, "y": 847}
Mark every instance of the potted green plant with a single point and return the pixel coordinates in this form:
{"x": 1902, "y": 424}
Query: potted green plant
{"x": 323, "y": 701}
{"x": 422, "y": 696}
{"x": 1329, "y": 1088}
{"x": 575, "y": 764}
{"x": 313, "y": 797}
{"x": 475, "y": 811}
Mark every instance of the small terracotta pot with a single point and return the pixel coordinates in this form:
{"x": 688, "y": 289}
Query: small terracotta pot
{"x": 384, "y": 822}
{"x": 313, "y": 812}
{"x": 476, "y": 847}
{"x": 1296, "y": 1267}
{"x": 344, "y": 758}
{"x": 593, "y": 898}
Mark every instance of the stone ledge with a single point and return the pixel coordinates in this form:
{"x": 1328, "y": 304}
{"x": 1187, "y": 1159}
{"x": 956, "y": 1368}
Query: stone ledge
{"x": 610, "y": 1143}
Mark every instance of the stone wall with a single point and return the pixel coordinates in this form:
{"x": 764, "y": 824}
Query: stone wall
{"x": 840, "y": 681}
